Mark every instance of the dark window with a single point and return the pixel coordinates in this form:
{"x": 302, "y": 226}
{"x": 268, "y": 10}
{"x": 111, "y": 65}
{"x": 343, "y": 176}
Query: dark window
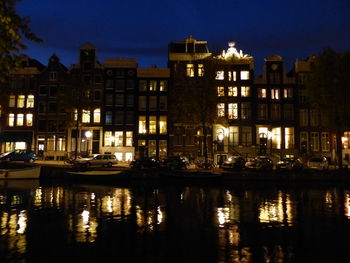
{"x": 129, "y": 117}
{"x": 97, "y": 95}
{"x": 53, "y": 91}
{"x": 42, "y": 125}
{"x": 119, "y": 99}
{"x": 109, "y": 84}
{"x": 142, "y": 85}
{"x": 119, "y": 118}
{"x": 108, "y": 117}
{"x": 130, "y": 100}
{"x": 42, "y": 90}
{"x": 52, "y": 107}
{"x": 288, "y": 112}
{"x": 275, "y": 112}
{"x": 109, "y": 99}
{"x": 120, "y": 84}
{"x": 130, "y": 84}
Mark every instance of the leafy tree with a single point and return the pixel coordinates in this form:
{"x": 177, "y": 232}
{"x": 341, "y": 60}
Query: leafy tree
{"x": 13, "y": 30}
{"x": 329, "y": 91}
{"x": 195, "y": 100}
{"x": 76, "y": 99}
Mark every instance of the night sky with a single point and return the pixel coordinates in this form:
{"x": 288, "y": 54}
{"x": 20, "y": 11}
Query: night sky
{"x": 142, "y": 29}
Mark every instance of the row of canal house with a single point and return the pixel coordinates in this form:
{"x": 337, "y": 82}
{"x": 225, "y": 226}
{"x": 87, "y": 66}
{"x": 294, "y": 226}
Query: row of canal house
{"x": 117, "y": 107}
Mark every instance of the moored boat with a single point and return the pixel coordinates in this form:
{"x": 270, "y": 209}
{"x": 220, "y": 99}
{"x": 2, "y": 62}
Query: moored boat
{"x": 22, "y": 173}
{"x": 97, "y": 173}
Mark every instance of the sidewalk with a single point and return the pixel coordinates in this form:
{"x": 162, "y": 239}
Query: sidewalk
{"x": 62, "y": 163}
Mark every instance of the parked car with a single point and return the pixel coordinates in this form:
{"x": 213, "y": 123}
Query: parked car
{"x": 318, "y": 163}
{"x": 289, "y": 163}
{"x": 146, "y": 162}
{"x": 28, "y": 156}
{"x": 100, "y": 159}
{"x": 259, "y": 163}
{"x": 176, "y": 162}
{"x": 234, "y": 162}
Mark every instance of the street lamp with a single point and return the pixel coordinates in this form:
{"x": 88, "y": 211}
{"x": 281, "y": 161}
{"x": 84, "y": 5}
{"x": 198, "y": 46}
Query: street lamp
{"x": 88, "y": 135}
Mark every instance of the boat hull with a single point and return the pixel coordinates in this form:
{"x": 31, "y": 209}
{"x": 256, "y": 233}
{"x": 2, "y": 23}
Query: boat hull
{"x": 24, "y": 173}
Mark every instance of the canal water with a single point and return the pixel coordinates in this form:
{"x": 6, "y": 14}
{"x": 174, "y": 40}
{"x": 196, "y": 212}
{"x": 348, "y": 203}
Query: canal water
{"x": 148, "y": 223}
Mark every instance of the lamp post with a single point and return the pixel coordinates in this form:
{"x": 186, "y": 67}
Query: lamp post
{"x": 88, "y": 135}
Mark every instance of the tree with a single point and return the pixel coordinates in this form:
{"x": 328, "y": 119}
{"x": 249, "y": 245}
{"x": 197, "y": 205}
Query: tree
{"x": 195, "y": 100}
{"x": 329, "y": 91}
{"x": 76, "y": 99}
{"x": 13, "y": 30}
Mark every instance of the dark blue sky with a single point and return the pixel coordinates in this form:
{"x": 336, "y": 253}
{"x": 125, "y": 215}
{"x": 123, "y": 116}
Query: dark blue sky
{"x": 143, "y": 29}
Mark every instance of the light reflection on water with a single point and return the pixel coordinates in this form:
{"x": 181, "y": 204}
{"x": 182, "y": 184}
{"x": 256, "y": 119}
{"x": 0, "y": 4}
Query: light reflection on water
{"x": 173, "y": 224}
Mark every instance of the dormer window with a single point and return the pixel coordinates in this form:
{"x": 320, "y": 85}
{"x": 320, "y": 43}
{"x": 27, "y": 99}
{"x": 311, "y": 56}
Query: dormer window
{"x": 190, "y": 70}
{"x": 53, "y": 76}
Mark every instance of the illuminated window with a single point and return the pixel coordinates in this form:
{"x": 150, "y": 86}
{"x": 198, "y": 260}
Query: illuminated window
{"x": 232, "y": 111}
{"x": 163, "y": 124}
{"x": 245, "y": 91}
{"x": 29, "y": 119}
{"x": 128, "y": 156}
{"x": 142, "y": 124}
{"x": 61, "y": 144}
{"x": 152, "y": 148}
{"x": 232, "y": 75}
{"x": 108, "y": 138}
{"x": 163, "y": 85}
{"x": 200, "y": 70}
{"x": 220, "y": 75}
{"x": 289, "y": 137}
{"x": 153, "y": 85}
{"x": 20, "y": 101}
{"x": 75, "y": 114}
{"x": 12, "y": 101}
{"x": 162, "y": 148}
{"x": 128, "y": 141}
{"x": 325, "y": 143}
{"x": 245, "y": 111}
{"x": 141, "y": 142}
{"x": 220, "y": 91}
{"x": 233, "y": 135}
{"x": 232, "y": 91}
{"x": 118, "y": 138}
{"x": 11, "y": 119}
{"x": 315, "y": 141}
{"x": 288, "y": 93}
{"x": 190, "y": 70}
{"x": 262, "y": 111}
{"x": 276, "y": 138}
{"x": 86, "y": 116}
{"x": 262, "y": 93}
{"x": 30, "y": 101}
{"x": 119, "y": 156}
{"x": 275, "y": 94}
{"x": 51, "y": 143}
{"x": 244, "y": 75}
{"x": 152, "y": 124}
{"x": 221, "y": 109}
{"x": 20, "y": 119}
{"x": 97, "y": 115}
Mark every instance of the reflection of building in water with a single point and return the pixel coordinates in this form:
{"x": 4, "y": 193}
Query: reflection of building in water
{"x": 347, "y": 204}
{"x": 280, "y": 210}
{"x": 13, "y": 227}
